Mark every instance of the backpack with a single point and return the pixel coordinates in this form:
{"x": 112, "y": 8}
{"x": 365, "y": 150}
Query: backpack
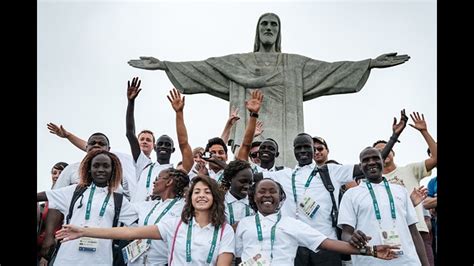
{"x": 116, "y": 244}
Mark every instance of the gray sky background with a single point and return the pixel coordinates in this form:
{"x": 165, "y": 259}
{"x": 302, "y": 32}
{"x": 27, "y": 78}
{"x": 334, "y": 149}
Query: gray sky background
{"x": 83, "y": 49}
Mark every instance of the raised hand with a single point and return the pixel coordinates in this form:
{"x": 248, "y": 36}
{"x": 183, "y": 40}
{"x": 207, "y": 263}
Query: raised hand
{"x": 398, "y": 127}
{"x": 253, "y": 105}
{"x": 234, "y": 115}
{"x": 419, "y": 121}
{"x": 418, "y": 195}
{"x": 69, "y": 232}
{"x": 134, "y": 89}
{"x": 60, "y": 131}
{"x": 147, "y": 62}
{"x": 388, "y": 60}
{"x": 176, "y": 101}
{"x": 258, "y": 129}
{"x": 359, "y": 239}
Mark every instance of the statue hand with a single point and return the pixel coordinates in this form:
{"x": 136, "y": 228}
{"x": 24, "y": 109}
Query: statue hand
{"x": 388, "y": 60}
{"x": 145, "y": 62}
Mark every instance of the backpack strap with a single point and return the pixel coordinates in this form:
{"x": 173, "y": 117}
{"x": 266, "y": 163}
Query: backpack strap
{"x": 78, "y": 192}
{"x": 324, "y": 173}
{"x": 118, "y": 198}
{"x": 174, "y": 240}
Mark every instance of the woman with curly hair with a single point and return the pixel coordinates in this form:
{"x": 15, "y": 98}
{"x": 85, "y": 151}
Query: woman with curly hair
{"x": 100, "y": 174}
{"x": 268, "y": 236}
{"x": 237, "y": 181}
{"x": 201, "y": 236}
{"x": 168, "y": 188}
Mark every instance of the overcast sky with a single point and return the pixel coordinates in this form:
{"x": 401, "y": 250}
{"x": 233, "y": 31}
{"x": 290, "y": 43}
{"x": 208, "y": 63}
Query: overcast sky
{"x": 83, "y": 49}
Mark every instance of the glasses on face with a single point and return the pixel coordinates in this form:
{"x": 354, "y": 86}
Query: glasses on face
{"x": 253, "y": 154}
{"x": 320, "y": 149}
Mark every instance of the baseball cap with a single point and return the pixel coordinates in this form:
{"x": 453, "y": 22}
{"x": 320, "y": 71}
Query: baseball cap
{"x": 320, "y": 140}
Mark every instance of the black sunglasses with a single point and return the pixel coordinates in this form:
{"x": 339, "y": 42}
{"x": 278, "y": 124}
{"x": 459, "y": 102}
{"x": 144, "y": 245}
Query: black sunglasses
{"x": 253, "y": 154}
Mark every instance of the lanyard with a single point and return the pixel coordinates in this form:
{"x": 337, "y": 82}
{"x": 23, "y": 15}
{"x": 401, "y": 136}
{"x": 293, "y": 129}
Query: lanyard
{"x": 89, "y": 204}
{"x": 149, "y": 175}
{"x": 376, "y": 205}
{"x": 272, "y": 235}
{"x": 220, "y": 177}
{"x": 310, "y": 178}
{"x": 188, "y": 243}
{"x": 231, "y": 212}
{"x": 161, "y": 215}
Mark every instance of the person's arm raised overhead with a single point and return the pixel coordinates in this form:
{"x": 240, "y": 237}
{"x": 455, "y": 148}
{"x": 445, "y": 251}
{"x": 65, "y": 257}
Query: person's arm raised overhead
{"x": 397, "y": 129}
{"x": 253, "y": 105}
{"x": 177, "y": 102}
{"x": 420, "y": 125}
{"x": 63, "y": 133}
{"x": 233, "y": 117}
{"x": 132, "y": 92}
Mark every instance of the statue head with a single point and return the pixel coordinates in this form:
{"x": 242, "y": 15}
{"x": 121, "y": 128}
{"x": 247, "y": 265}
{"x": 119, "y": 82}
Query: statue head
{"x": 268, "y": 32}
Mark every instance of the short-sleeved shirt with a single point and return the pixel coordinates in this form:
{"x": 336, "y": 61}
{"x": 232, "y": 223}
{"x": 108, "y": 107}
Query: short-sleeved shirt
{"x": 433, "y": 187}
{"x": 239, "y": 208}
{"x": 201, "y": 240}
{"x": 357, "y": 210}
{"x": 409, "y": 176}
{"x": 69, "y": 253}
{"x": 339, "y": 174}
{"x": 158, "y": 252}
{"x": 148, "y": 174}
{"x": 289, "y": 234}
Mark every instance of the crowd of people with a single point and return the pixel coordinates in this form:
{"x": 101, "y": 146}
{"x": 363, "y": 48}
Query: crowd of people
{"x": 210, "y": 209}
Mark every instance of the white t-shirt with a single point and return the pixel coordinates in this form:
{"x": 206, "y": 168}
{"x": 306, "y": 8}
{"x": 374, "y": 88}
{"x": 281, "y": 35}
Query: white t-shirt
{"x": 258, "y": 169}
{"x": 201, "y": 240}
{"x": 69, "y": 253}
{"x": 158, "y": 252}
{"x": 411, "y": 175}
{"x": 142, "y": 192}
{"x": 357, "y": 210}
{"x": 239, "y": 208}
{"x": 340, "y": 174}
{"x": 289, "y": 234}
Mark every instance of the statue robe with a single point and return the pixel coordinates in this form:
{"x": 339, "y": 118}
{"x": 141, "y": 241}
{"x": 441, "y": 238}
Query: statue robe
{"x": 289, "y": 79}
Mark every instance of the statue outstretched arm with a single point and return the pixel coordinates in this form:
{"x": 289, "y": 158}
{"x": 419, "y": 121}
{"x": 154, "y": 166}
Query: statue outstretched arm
{"x": 148, "y": 62}
{"x": 388, "y": 60}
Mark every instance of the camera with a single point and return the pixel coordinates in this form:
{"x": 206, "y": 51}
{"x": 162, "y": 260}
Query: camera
{"x": 206, "y": 155}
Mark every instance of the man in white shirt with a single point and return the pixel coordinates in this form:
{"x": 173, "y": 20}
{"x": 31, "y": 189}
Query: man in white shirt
{"x": 378, "y": 212}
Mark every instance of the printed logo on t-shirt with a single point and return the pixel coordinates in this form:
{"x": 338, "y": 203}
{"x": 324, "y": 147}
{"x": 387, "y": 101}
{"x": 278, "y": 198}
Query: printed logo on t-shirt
{"x": 396, "y": 180}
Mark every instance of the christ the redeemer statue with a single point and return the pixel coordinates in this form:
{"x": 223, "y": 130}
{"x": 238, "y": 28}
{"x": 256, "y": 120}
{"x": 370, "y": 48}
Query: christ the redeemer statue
{"x": 286, "y": 80}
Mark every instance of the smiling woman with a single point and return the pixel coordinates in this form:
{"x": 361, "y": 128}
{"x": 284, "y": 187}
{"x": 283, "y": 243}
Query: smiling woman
{"x": 268, "y": 237}
{"x": 200, "y": 236}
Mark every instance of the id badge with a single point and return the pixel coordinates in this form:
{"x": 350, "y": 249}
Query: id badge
{"x": 88, "y": 244}
{"x": 257, "y": 260}
{"x": 309, "y": 206}
{"x": 134, "y": 250}
{"x": 391, "y": 237}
